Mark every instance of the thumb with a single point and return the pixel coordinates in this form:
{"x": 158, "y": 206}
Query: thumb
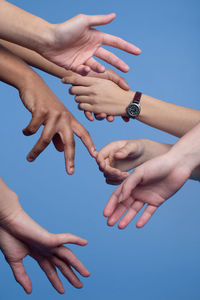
{"x": 66, "y": 238}
{"x": 129, "y": 150}
{"x": 100, "y": 19}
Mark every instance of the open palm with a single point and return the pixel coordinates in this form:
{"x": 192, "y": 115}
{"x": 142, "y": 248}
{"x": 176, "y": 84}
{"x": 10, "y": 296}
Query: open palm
{"x": 152, "y": 183}
{"x": 75, "y": 43}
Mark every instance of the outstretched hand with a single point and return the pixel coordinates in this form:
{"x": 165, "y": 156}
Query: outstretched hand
{"x": 152, "y": 183}
{"x": 59, "y": 124}
{"x": 21, "y": 236}
{"x": 76, "y": 42}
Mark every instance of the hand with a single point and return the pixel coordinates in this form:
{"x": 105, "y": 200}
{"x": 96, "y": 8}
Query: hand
{"x": 99, "y": 95}
{"x": 109, "y": 75}
{"x": 59, "y": 124}
{"x": 119, "y": 157}
{"x": 21, "y": 236}
{"x": 75, "y": 43}
{"x": 152, "y": 183}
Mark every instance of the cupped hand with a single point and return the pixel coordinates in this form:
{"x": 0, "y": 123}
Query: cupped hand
{"x": 75, "y": 43}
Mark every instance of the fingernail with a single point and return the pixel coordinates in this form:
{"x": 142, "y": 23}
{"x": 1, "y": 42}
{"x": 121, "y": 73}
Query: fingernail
{"x": 120, "y": 198}
{"x": 71, "y": 170}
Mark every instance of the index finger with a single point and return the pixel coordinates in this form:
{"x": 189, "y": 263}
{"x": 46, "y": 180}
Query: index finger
{"x": 78, "y": 80}
{"x": 112, "y": 202}
{"x": 85, "y": 137}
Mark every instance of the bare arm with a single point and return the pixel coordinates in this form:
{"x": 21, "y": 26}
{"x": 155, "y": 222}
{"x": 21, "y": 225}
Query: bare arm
{"x": 46, "y": 109}
{"x": 21, "y": 236}
{"x": 34, "y": 59}
{"x": 71, "y": 44}
{"x": 155, "y": 181}
{"x": 119, "y": 157}
{"x": 174, "y": 119}
{"x": 102, "y": 96}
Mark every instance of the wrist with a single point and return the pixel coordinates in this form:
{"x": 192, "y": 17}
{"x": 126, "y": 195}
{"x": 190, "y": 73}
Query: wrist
{"x": 45, "y": 39}
{"x": 9, "y": 205}
{"x": 27, "y": 80}
{"x": 125, "y": 102}
{"x": 183, "y": 159}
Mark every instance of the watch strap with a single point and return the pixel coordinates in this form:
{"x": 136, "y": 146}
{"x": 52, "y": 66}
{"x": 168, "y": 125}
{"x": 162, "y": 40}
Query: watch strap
{"x": 137, "y": 97}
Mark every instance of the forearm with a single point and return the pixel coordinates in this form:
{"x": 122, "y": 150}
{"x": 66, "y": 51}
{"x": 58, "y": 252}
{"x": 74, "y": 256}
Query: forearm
{"x": 187, "y": 150}
{"x": 171, "y": 118}
{"x": 23, "y": 28}
{"x": 36, "y": 60}
{"x": 13, "y": 70}
{"x": 9, "y": 203}
{"x": 154, "y": 149}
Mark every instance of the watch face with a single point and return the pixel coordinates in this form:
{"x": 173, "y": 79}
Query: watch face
{"x": 133, "y": 110}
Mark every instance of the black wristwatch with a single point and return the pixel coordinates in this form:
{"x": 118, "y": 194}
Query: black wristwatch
{"x": 133, "y": 110}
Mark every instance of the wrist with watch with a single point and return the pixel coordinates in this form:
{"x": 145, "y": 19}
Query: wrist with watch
{"x": 134, "y": 108}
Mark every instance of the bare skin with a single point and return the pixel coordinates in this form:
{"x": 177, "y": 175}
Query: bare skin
{"x": 21, "y": 236}
{"x": 46, "y": 109}
{"x": 98, "y": 95}
{"x": 71, "y": 44}
{"x": 155, "y": 181}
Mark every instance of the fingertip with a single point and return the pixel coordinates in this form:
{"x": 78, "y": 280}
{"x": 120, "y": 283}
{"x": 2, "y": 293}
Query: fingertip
{"x": 139, "y": 224}
{"x": 113, "y": 15}
{"x": 121, "y": 225}
{"x": 126, "y": 69}
{"x": 84, "y": 242}
{"x": 30, "y": 159}
{"x": 100, "y": 69}
{"x": 62, "y": 291}
{"x": 28, "y": 290}
{"x": 87, "y": 274}
{"x": 106, "y": 213}
{"x": 110, "y": 223}
{"x": 138, "y": 51}
{"x": 70, "y": 170}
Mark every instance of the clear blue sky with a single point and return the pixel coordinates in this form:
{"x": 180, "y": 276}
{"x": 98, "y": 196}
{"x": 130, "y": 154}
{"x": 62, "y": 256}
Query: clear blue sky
{"x": 161, "y": 261}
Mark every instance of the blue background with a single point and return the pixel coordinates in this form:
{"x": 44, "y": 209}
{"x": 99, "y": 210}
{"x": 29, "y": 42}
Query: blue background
{"x": 160, "y": 261}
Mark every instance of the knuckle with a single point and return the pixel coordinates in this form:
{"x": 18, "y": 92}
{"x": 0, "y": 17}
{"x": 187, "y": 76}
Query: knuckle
{"x": 64, "y": 114}
{"x": 57, "y": 114}
{"x": 43, "y": 111}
